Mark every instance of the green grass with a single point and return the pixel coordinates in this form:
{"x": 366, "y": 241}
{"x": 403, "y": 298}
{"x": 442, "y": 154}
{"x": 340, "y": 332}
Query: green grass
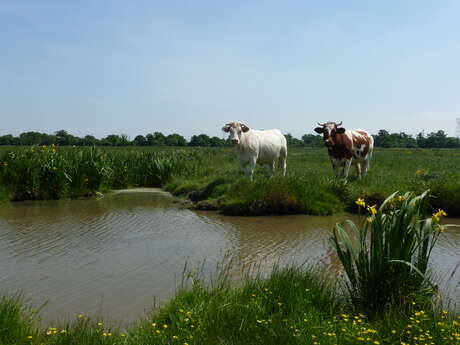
{"x": 212, "y": 175}
{"x": 293, "y": 305}
{"x": 310, "y": 187}
{"x": 17, "y": 321}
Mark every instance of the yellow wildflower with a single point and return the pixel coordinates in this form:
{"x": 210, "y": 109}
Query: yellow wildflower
{"x": 360, "y": 202}
{"x": 438, "y": 215}
{"x": 372, "y": 209}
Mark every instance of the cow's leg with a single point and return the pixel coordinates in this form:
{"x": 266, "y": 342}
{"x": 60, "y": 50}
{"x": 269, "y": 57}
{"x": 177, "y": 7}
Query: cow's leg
{"x": 367, "y": 161}
{"x": 250, "y": 167}
{"x": 273, "y": 167}
{"x": 358, "y": 169}
{"x": 335, "y": 167}
{"x": 282, "y": 161}
{"x": 346, "y": 168}
{"x": 283, "y": 165}
{"x": 366, "y": 166}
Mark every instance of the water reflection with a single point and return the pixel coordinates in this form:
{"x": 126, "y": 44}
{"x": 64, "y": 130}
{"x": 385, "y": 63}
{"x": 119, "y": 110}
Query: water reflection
{"x": 113, "y": 256}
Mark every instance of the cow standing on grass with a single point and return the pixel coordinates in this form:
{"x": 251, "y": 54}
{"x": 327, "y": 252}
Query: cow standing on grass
{"x": 347, "y": 147}
{"x": 252, "y": 146}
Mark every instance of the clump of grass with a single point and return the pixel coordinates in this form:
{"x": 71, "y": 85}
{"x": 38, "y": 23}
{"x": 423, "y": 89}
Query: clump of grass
{"x": 17, "y": 322}
{"x": 83, "y": 331}
{"x": 386, "y": 259}
{"x": 261, "y": 311}
{"x": 282, "y": 195}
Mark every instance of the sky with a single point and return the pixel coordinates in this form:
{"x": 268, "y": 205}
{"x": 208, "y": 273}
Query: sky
{"x": 135, "y": 67}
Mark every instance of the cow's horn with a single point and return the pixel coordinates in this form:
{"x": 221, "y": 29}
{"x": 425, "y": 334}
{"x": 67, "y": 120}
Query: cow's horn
{"x": 321, "y": 124}
{"x": 339, "y": 124}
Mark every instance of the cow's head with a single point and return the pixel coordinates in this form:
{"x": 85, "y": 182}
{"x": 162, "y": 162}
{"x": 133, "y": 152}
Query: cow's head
{"x": 235, "y": 130}
{"x": 330, "y": 130}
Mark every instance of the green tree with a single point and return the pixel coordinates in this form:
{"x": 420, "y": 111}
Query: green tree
{"x": 30, "y": 138}
{"x": 89, "y": 140}
{"x": 312, "y": 140}
{"x": 113, "y": 139}
{"x": 200, "y": 140}
{"x": 8, "y": 139}
{"x": 175, "y": 140}
{"x": 140, "y": 140}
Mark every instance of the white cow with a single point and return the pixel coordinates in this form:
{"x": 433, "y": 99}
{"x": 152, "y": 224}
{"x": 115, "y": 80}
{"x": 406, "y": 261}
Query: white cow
{"x": 253, "y": 146}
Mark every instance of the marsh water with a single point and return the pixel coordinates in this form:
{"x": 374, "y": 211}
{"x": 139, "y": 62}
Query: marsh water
{"x": 118, "y": 255}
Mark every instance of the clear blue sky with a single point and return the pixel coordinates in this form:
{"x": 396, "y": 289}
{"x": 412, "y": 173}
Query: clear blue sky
{"x": 134, "y": 67}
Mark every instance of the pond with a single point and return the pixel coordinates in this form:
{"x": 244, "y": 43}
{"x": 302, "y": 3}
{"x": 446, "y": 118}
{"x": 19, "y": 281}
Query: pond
{"x": 117, "y": 256}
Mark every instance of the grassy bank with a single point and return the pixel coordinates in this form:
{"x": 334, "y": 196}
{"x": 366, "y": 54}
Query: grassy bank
{"x": 291, "y": 306}
{"x": 310, "y": 187}
{"x": 211, "y": 178}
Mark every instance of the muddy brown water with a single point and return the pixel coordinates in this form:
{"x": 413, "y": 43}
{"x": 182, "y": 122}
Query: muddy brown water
{"x": 116, "y": 256}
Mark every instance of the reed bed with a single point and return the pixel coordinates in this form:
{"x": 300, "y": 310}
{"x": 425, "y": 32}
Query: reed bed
{"x": 48, "y": 172}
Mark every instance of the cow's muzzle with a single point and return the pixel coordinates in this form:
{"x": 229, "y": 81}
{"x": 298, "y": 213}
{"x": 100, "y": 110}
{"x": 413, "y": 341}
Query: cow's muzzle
{"x": 235, "y": 141}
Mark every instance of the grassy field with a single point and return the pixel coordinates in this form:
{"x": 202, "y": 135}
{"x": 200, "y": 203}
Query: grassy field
{"x": 211, "y": 178}
{"x": 310, "y": 187}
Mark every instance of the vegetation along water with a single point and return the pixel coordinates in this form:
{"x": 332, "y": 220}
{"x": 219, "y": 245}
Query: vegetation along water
{"x": 211, "y": 178}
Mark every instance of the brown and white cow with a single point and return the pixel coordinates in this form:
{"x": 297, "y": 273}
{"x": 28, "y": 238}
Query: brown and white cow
{"x": 347, "y": 147}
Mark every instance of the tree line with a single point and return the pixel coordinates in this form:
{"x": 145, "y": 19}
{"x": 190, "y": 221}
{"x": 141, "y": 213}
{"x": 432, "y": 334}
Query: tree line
{"x": 383, "y": 138}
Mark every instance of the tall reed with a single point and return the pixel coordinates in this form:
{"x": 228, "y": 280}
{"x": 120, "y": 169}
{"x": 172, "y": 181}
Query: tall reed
{"x": 49, "y": 172}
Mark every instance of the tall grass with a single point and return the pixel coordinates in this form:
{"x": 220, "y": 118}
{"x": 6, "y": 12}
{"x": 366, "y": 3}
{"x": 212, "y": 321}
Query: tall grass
{"x": 17, "y": 321}
{"x": 386, "y": 259}
{"x": 53, "y": 173}
{"x": 293, "y": 305}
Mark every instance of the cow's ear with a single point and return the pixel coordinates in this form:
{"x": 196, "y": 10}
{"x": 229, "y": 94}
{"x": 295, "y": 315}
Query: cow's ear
{"x": 340, "y": 130}
{"x": 319, "y": 130}
{"x": 226, "y": 128}
{"x": 244, "y": 128}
